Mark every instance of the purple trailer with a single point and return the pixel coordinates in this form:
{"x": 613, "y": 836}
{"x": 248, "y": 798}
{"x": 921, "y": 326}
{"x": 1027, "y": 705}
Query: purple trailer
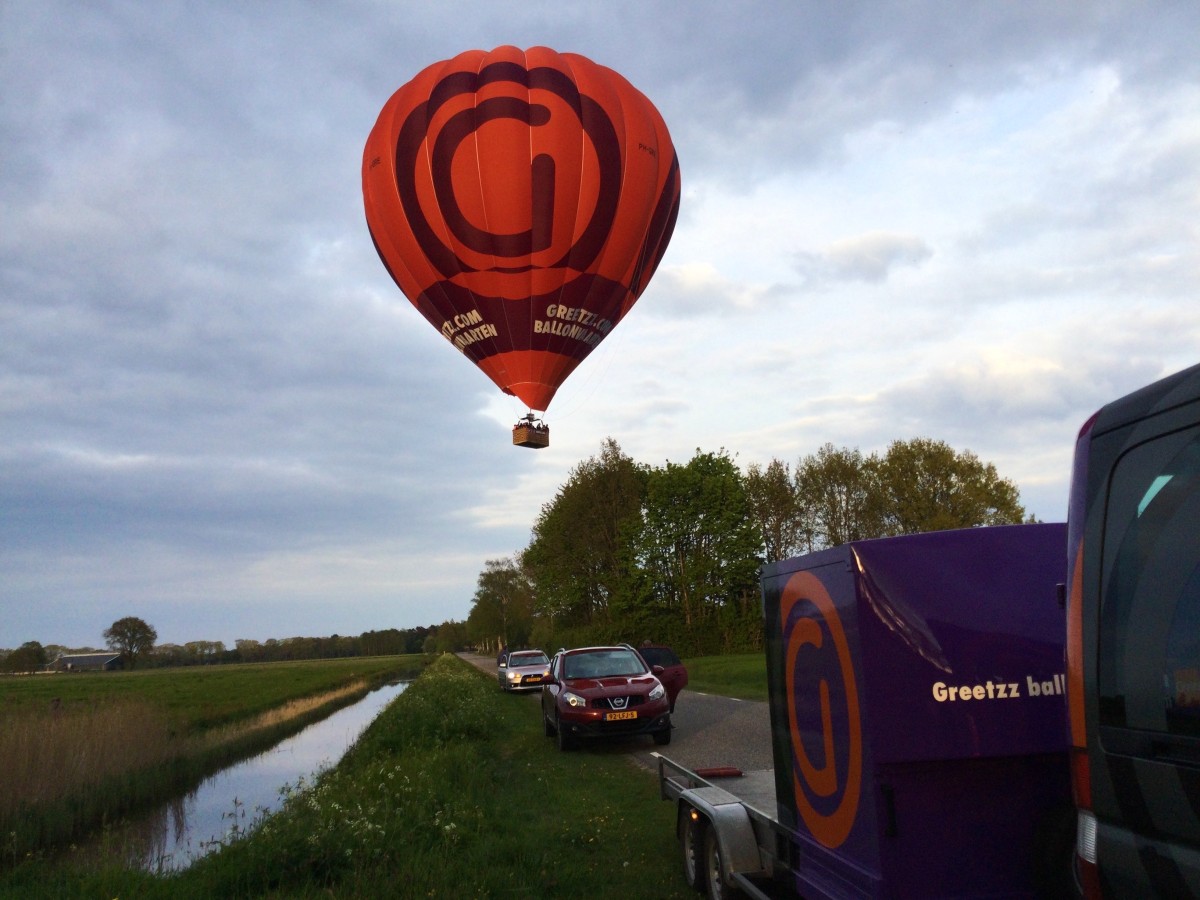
{"x": 919, "y": 725}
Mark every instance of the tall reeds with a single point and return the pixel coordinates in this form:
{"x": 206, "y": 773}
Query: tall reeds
{"x": 65, "y": 771}
{"x": 50, "y": 755}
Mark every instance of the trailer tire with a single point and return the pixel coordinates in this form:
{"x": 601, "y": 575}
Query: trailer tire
{"x": 714, "y": 869}
{"x": 691, "y": 837}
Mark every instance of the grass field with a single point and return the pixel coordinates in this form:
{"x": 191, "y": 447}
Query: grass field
{"x": 195, "y": 697}
{"x": 742, "y": 675}
{"x": 454, "y": 791}
{"x": 82, "y": 749}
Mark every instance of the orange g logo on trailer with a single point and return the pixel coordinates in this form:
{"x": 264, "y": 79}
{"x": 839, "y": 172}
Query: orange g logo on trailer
{"x": 827, "y": 790}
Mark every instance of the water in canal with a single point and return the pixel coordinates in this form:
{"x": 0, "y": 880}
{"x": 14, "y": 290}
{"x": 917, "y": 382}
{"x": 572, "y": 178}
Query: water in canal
{"x": 230, "y": 802}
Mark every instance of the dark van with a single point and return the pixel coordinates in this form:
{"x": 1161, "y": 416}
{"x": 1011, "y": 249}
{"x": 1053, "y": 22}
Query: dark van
{"x": 1133, "y": 643}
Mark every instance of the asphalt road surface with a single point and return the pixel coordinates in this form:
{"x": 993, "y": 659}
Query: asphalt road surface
{"x": 709, "y": 730}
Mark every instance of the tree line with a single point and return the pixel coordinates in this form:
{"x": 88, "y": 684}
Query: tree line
{"x": 134, "y": 639}
{"x": 631, "y": 552}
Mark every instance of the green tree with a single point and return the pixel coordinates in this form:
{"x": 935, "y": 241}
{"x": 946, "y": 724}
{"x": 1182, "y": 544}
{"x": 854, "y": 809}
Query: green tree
{"x": 775, "y": 509}
{"x": 696, "y": 548}
{"x": 574, "y": 557}
{"x": 447, "y": 638}
{"x": 837, "y": 497}
{"x": 502, "y": 609}
{"x": 925, "y": 485}
{"x": 29, "y": 657}
{"x": 131, "y": 637}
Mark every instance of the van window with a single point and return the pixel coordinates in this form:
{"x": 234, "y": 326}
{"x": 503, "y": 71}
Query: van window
{"x": 1149, "y": 674}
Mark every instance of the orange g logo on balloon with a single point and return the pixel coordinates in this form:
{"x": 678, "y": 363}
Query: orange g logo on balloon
{"x": 521, "y": 200}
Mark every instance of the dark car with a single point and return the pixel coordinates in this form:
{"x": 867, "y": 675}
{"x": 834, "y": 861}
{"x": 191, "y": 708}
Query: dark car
{"x": 604, "y": 692}
{"x": 673, "y": 674}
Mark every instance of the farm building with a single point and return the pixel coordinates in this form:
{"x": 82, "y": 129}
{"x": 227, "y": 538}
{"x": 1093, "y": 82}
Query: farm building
{"x": 88, "y": 662}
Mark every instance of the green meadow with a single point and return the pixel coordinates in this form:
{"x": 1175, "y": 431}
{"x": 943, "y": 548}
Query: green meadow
{"x": 453, "y": 791}
{"x": 83, "y": 749}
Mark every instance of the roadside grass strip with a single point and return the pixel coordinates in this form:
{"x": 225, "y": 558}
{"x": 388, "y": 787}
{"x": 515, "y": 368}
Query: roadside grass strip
{"x": 453, "y": 791}
{"x": 741, "y": 675}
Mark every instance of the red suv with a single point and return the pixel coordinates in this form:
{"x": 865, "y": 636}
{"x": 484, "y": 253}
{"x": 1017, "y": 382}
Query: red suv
{"x": 597, "y": 692}
{"x": 665, "y": 664}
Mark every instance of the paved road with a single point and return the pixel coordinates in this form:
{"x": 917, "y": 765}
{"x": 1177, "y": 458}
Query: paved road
{"x": 709, "y": 730}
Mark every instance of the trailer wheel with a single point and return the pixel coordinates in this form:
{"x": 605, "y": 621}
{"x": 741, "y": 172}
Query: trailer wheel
{"x": 713, "y": 869}
{"x": 691, "y": 836}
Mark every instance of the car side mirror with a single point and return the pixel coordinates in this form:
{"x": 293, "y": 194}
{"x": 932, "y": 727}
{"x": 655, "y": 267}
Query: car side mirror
{"x": 657, "y": 670}
{"x": 504, "y": 665}
{"x": 549, "y": 679}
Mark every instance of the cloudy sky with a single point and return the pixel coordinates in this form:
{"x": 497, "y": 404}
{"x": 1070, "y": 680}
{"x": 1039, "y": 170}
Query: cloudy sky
{"x": 970, "y": 221}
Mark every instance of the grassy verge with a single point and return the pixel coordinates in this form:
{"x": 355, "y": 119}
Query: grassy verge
{"x": 454, "y": 791}
{"x": 742, "y": 675}
{"x": 141, "y": 738}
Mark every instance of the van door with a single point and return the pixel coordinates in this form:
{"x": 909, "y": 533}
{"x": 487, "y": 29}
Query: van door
{"x": 1145, "y": 749}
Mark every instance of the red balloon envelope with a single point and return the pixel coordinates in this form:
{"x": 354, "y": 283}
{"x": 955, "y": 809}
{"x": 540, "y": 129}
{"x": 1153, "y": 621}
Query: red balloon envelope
{"x": 521, "y": 200}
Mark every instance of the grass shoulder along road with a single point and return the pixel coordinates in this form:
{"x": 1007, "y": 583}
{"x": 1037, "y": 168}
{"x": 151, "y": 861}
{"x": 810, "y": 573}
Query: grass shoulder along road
{"x": 453, "y": 791}
{"x": 741, "y": 675}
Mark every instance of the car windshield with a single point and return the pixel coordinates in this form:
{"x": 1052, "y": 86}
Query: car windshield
{"x": 528, "y": 659}
{"x": 602, "y": 664}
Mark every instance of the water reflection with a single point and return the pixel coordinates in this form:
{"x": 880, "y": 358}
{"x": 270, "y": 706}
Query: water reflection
{"x": 234, "y": 800}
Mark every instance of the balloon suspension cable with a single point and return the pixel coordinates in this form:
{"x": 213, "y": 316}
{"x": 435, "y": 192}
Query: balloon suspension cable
{"x": 531, "y": 431}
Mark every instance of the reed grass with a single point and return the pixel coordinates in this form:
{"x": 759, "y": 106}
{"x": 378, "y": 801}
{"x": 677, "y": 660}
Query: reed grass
{"x": 51, "y": 755}
{"x": 69, "y": 767}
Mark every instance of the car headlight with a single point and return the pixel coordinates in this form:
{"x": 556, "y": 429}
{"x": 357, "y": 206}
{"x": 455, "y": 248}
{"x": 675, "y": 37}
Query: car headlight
{"x": 514, "y": 676}
{"x": 573, "y": 699}
{"x": 658, "y": 692}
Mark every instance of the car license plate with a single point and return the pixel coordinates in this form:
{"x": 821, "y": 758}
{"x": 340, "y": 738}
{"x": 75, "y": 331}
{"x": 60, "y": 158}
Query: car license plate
{"x": 628, "y": 714}
{"x": 533, "y": 677}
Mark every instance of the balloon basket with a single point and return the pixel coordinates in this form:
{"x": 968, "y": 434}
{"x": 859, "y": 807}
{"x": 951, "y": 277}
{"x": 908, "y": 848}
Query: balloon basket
{"x": 531, "y": 433}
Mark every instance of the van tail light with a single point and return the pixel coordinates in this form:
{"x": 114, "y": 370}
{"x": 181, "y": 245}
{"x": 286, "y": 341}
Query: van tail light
{"x": 1087, "y": 873}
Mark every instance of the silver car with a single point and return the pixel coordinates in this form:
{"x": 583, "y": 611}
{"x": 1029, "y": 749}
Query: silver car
{"x": 525, "y": 670}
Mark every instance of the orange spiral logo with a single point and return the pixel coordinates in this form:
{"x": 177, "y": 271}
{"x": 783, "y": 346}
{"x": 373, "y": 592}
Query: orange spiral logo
{"x": 827, "y": 792}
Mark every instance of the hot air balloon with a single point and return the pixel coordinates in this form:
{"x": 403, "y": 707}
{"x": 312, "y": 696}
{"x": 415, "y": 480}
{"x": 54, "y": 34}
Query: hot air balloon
{"x": 521, "y": 200}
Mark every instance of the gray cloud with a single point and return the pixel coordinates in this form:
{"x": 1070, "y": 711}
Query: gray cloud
{"x": 216, "y": 410}
{"x": 867, "y": 257}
